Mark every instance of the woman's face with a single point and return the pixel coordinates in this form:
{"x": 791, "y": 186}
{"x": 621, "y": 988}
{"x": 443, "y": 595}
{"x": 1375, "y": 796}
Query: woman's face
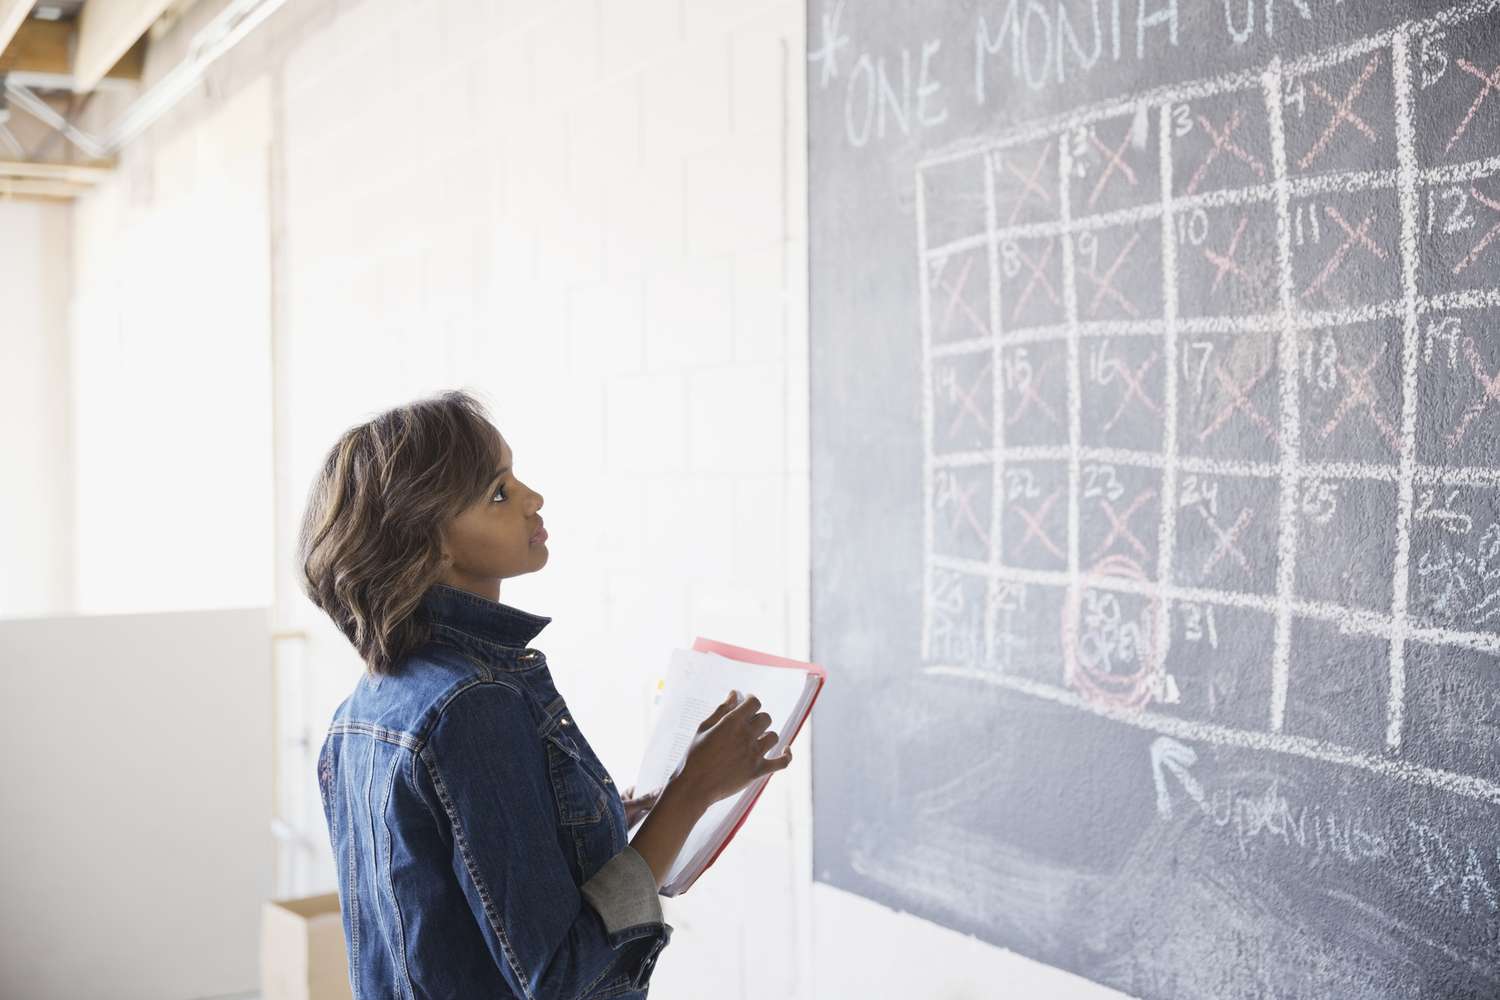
{"x": 497, "y": 536}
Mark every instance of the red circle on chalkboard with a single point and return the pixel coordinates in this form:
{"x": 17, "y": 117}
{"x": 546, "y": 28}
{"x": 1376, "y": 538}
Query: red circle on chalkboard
{"x": 1095, "y": 680}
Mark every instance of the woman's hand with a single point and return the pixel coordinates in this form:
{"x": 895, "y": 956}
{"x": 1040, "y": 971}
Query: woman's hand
{"x": 637, "y": 807}
{"x": 730, "y": 749}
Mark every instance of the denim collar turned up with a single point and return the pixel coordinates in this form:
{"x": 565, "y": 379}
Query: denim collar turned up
{"x": 480, "y": 843}
{"x": 493, "y": 629}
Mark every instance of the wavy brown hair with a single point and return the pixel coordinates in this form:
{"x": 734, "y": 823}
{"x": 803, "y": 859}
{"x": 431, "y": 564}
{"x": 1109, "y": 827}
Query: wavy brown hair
{"x": 371, "y": 538}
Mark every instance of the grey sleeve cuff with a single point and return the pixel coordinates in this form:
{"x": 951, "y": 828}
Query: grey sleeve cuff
{"x": 624, "y": 892}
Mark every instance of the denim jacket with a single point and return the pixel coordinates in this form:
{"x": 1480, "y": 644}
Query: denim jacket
{"x": 480, "y": 844}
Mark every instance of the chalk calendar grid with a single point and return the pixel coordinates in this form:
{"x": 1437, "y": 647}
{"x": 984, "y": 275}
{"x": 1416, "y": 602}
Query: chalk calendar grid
{"x": 1193, "y": 454}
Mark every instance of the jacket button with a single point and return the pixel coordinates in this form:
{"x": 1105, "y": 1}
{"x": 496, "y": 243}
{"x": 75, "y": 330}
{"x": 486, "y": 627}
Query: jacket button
{"x": 608, "y": 782}
{"x": 563, "y": 722}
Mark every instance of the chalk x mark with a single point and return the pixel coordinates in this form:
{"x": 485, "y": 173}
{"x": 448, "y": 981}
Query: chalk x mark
{"x": 1029, "y": 397}
{"x": 1133, "y": 388}
{"x": 1353, "y": 235}
{"x": 1487, "y": 83}
{"x": 1035, "y": 529}
{"x": 954, "y": 288}
{"x": 1228, "y": 544}
{"x": 1487, "y": 238}
{"x": 1489, "y": 392}
{"x": 1030, "y": 186}
{"x": 1038, "y": 277}
{"x": 1360, "y": 392}
{"x": 1225, "y": 263}
{"x": 1239, "y": 401}
{"x": 1114, "y": 161}
{"x": 1120, "y": 525}
{"x": 1342, "y": 111}
{"x": 1104, "y": 284}
{"x": 1223, "y": 143}
{"x": 966, "y": 401}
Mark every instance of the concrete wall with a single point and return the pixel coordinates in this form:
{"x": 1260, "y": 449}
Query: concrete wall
{"x": 592, "y": 213}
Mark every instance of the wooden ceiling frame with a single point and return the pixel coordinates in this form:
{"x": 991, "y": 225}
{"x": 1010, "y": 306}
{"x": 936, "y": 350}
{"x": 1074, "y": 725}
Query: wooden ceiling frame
{"x": 107, "y": 30}
{"x": 21, "y": 189}
{"x": 29, "y": 180}
{"x": 45, "y": 48}
{"x": 13, "y": 14}
{"x": 106, "y": 43}
{"x": 71, "y": 173}
{"x": 41, "y": 53}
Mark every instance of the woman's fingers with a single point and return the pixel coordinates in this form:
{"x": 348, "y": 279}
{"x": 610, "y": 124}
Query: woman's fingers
{"x": 727, "y": 705}
{"x": 770, "y": 764}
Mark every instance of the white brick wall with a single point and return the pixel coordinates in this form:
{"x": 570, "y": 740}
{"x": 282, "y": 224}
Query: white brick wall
{"x": 621, "y": 174}
{"x": 591, "y": 212}
{"x": 36, "y": 517}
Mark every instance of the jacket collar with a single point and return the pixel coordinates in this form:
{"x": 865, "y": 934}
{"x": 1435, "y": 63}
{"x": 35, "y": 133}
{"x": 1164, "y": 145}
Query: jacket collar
{"x": 480, "y": 617}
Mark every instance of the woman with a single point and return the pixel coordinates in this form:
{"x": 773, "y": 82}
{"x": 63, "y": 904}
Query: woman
{"x": 480, "y": 844}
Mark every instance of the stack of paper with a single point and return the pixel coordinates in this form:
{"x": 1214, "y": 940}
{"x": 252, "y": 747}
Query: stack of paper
{"x": 698, "y": 680}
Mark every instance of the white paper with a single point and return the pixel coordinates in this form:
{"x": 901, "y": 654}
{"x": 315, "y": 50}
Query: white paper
{"x": 696, "y": 684}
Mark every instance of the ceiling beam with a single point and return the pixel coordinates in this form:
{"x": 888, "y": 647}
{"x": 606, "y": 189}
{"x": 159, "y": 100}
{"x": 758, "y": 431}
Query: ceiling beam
{"x": 71, "y": 173}
{"x": 46, "y": 47}
{"x": 107, "y": 29}
{"x": 39, "y": 47}
{"x": 12, "y": 16}
{"x": 57, "y": 190}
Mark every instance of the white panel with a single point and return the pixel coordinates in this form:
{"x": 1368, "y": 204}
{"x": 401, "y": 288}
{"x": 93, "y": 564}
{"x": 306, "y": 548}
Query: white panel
{"x": 137, "y": 805}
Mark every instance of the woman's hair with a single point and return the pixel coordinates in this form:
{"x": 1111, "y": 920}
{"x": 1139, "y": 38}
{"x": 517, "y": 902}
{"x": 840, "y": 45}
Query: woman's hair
{"x": 371, "y": 538}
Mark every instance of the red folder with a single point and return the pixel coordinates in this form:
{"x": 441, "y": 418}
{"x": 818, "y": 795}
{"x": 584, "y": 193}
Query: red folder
{"x": 744, "y": 655}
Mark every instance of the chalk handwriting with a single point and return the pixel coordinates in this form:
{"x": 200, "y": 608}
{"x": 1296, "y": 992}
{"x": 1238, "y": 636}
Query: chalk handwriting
{"x": 1041, "y": 44}
{"x": 1453, "y": 872}
{"x": 1461, "y": 586}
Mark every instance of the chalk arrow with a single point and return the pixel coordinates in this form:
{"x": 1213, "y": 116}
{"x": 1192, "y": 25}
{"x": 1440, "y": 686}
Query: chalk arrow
{"x": 1168, "y": 754}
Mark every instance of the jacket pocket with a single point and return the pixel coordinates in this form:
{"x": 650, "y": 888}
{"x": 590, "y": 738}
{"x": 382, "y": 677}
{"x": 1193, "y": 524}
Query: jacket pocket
{"x": 580, "y": 796}
{"x": 588, "y": 806}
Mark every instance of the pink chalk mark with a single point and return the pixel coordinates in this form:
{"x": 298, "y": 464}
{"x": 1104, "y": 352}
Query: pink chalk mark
{"x": 1487, "y": 238}
{"x": 1224, "y": 263}
{"x": 1029, "y": 185}
{"x": 1120, "y": 524}
{"x": 1222, "y": 143}
{"x": 1030, "y": 397}
{"x": 1353, "y": 235}
{"x": 1360, "y": 391}
{"x": 1114, "y": 160}
{"x": 1239, "y": 400}
{"x": 967, "y": 405}
{"x": 1227, "y": 540}
{"x": 1034, "y": 527}
{"x": 1105, "y": 283}
{"x": 954, "y": 288}
{"x": 1489, "y": 384}
{"x": 1488, "y": 82}
{"x": 965, "y": 511}
{"x": 1038, "y": 276}
{"x": 1133, "y": 389}
{"x": 1342, "y": 112}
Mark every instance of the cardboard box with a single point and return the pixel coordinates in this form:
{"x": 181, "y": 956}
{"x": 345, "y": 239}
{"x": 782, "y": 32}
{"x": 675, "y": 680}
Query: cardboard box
{"x": 302, "y": 953}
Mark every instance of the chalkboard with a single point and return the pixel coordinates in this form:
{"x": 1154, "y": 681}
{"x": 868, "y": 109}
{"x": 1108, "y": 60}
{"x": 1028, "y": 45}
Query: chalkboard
{"x": 1155, "y": 416}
